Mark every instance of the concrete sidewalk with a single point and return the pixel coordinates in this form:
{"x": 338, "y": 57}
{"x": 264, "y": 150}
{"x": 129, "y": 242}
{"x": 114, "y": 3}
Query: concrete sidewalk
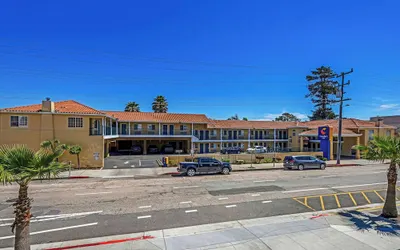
{"x": 340, "y": 230}
{"x": 159, "y": 171}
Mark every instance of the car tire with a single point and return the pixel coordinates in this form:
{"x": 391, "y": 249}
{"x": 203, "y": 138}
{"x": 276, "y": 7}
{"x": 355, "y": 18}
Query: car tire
{"x": 225, "y": 171}
{"x": 191, "y": 172}
{"x": 322, "y": 166}
{"x": 300, "y": 167}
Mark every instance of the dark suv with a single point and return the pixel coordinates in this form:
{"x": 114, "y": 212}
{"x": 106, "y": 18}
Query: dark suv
{"x": 301, "y": 162}
{"x": 231, "y": 150}
{"x": 204, "y": 165}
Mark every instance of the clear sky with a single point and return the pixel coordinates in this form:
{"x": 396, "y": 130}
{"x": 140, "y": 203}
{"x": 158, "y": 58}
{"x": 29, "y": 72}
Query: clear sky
{"x": 211, "y": 56}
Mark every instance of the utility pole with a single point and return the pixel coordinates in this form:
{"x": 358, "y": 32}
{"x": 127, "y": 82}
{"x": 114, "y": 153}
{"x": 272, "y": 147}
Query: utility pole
{"x": 339, "y": 144}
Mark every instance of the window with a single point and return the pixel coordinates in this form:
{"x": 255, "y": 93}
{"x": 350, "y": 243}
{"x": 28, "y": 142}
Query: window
{"x": 75, "y": 122}
{"x": 213, "y": 132}
{"x": 151, "y": 127}
{"x": 214, "y": 145}
{"x": 240, "y": 132}
{"x": 183, "y": 127}
{"x": 388, "y": 133}
{"x": 137, "y": 126}
{"x": 371, "y": 134}
{"x": 294, "y": 133}
{"x": 225, "y": 132}
{"x": 196, "y": 132}
{"x": 19, "y": 121}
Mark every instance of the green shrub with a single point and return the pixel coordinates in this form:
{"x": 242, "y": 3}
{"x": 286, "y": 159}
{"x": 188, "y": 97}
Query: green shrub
{"x": 321, "y": 158}
{"x": 268, "y": 160}
{"x": 225, "y": 160}
{"x": 173, "y": 163}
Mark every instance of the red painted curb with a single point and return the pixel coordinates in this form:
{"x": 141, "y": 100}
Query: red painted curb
{"x": 146, "y": 237}
{"x": 344, "y": 165}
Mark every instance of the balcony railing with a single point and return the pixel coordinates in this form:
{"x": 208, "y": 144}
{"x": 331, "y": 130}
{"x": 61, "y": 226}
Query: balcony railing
{"x": 96, "y": 131}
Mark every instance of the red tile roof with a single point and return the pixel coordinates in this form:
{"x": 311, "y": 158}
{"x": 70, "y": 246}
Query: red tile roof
{"x": 249, "y": 124}
{"x": 158, "y": 117}
{"x": 70, "y": 107}
{"x": 345, "y": 132}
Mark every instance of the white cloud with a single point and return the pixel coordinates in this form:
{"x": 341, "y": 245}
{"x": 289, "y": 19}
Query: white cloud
{"x": 388, "y": 106}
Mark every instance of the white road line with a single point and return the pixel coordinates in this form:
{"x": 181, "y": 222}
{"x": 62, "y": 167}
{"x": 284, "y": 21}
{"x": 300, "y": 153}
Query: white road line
{"x": 223, "y": 198}
{"x": 191, "y": 211}
{"x": 67, "y": 215}
{"x": 145, "y": 206}
{"x": 93, "y": 193}
{"x": 186, "y": 187}
{"x": 144, "y": 217}
{"x": 377, "y": 172}
{"x": 303, "y": 190}
{"x": 118, "y": 176}
{"x": 255, "y": 195}
{"x": 126, "y": 162}
{"x": 263, "y": 202}
{"x": 327, "y": 176}
{"x": 53, "y": 230}
{"x": 185, "y": 202}
{"x": 6, "y": 219}
{"x": 229, "y": 206}
{"x": 361, "y": 185}
{"x": 132, "y": 166}
{"x": 263, "y": 181}
{"x": 115, "y": 167}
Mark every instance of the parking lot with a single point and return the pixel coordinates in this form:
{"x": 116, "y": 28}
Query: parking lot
{"x": 131, "y": 161}
{"x": 343, "y": 199}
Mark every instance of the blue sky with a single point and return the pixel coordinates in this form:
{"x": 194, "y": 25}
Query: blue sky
{"x": 213, "y": 57}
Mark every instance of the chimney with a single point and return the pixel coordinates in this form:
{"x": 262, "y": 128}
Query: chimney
{"x": 379, "y": 122}
{"x": 48, "y": 105}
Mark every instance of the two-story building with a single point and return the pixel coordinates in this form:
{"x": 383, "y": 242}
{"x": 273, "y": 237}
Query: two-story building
{"x": 102, "y": 133}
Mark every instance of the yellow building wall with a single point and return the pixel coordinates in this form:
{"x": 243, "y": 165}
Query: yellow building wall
{"x": 40, "y": 128}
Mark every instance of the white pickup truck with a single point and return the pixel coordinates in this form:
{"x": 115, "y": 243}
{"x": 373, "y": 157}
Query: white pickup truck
{"x": 257, "y": 150}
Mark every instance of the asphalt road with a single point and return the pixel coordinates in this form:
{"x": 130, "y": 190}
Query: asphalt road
{"x": 131, "y": 161}
{"x": 76, "y": 209}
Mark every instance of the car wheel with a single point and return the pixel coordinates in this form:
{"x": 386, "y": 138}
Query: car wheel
{"x": 225, "y": 171}
{"x": 322, "y": 166}
{"x": 300, "y": 167}
{"x": 191, "y": 172}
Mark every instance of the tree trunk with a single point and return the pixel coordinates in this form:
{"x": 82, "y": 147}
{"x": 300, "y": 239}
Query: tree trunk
{"x": 22, "y": 218}
{"x": 79, "y": 161}
{"x": 390, "y": 208}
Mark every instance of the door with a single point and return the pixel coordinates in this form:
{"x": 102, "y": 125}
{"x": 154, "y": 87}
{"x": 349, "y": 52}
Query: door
{"x": 201, "y": 148}
{"x": 123, "y": 129}
{"x": 207, "y": 148}
{"x": 235, "y": 135}
{"x": 171, "y": 129}
{"x": 207, "y": 135}
{"x": 201, "y": 135}
{"x": 205, "y": 165}
{"x": 256, "y": 134}
{"x": 164, "y": 129}
{"x": 215, "y": 167}
{"x": 230, "y": 135}
{"x": 313, "y": 162}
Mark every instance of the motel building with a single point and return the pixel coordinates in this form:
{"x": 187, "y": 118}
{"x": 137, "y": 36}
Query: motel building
{"x": 106, "y": 133}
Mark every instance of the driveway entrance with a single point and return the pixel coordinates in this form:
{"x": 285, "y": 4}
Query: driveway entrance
{"x": 131, "y": 161}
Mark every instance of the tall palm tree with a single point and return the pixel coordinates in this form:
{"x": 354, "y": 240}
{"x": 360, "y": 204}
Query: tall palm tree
{"x": 160, "y": 104}
{"x": 132, "y": 107}
{"x": 380, "y": 149}
{"x": 76, "y": 150}
{"x": 21, "y": 164}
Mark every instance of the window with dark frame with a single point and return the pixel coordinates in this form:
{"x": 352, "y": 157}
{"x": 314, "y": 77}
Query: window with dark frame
{"x": 18, "y": 121}
{"x": 75, "y": 122}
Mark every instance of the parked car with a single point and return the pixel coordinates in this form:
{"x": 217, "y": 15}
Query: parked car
{"x": 204, "y": 165}
{"x": 301, "y": 162}
{"x": 231, "y": 150}
{"x": 136, "y": 150}
{"x": 167, "y": 149}
{"x": 257, "y": 150}
{"x": 153, "y": 149}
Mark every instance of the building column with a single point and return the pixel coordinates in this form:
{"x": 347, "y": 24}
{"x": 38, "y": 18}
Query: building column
{"x": 358, "y": 154}
{"x": 301, "y": 143}
{"x": 192, "y": 129}
{"x": 159, "y": 128}
{"x": 274, "y": 139}
{"x": 116, "y": 127}
{"x": 129, "y": 128}
{"x": 248, "y": 139}
{"x": 145, "y": 147}
{"x": 103, "y": 125}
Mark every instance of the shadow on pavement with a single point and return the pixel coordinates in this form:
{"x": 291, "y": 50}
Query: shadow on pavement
{"x": 368, "y": 222}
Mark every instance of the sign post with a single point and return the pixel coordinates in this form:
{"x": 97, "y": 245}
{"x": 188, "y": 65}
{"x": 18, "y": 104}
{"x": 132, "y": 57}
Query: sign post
{"x": 325, "y": 137}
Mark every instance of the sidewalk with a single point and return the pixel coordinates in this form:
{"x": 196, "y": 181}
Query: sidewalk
{"x": 159, "y": 171}
{"x": 342, "y": 230}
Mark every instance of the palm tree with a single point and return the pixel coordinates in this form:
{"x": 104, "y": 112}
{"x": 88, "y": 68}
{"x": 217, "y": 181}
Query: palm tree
{"x": 54, "y": 146}
{"x": 160, "y": 104}
{"x": 380, "y": 149}
{"x": 21, "y": 164}
{"x": 76, "y": 150}
{"x": 132, "y": 107}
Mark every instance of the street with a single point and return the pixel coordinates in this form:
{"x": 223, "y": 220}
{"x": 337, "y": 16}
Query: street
{"x": 86, "y": 208}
